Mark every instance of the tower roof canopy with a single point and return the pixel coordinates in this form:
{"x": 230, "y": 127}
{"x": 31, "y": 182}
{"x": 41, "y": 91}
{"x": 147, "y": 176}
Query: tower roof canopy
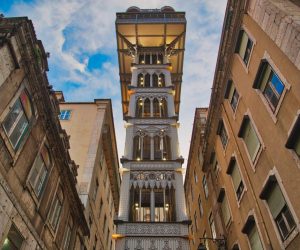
{"x": 147, "y": 28}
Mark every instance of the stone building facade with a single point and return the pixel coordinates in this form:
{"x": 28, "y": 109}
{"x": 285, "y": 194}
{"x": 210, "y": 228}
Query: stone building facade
{"x": 91, "y": 130}
{"x": 152, "y": 212}
{"x": 247, "y": 163}
{"x": 39, "y": 204}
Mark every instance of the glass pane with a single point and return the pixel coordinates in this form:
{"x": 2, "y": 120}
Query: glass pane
{"x": 41, "y": 180}
{"x": 266, "y": 76}
{"x": 26, "y": 104}
{"x": 248, "y": 51}
{"x": 282, "y": 226}
{"x": 234, "y": 100}
{"x": 289, "y": 218}
{"x": 14, "y": 240}
{"x": 276, "y": 201}
{"x": 12, "y": 116}
{"x": 18, "y": 131}
{"x": 35, "y": 170}
{"x": 232, "y": 88}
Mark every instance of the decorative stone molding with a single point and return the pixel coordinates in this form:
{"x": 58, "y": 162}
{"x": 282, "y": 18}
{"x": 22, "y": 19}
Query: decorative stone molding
{"x": 280, "y": 21}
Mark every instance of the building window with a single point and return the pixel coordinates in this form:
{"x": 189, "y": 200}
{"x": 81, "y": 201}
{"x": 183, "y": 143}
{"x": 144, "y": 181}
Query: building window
{"x": 65, "y": 115}
{"x": 16, "y": 123}
{"x": 215, "y": 164}
{"x": 232, "y": 95}
{"x": 221, "y": 131}
{"x": 55, "y": 211}
{"x": 67, "y": 235}
{"x": 155, "y": 80}
{"x": 293, "y": 141}
{"x": 140, "y": 82}
{"x": 251, "y": 140}
{"x": 164, "y": 204}
{"x": 39, "y": 171}
{"x": 161, "y": 80}
{"x": 224, "y": 206}
{"x": 195, "y": 176}
{"x": 196, "y": 221}
{"x": 212, "y": 226}
{"x": 268, "y": 82}
{"x": 250, "y": 229}
{"x": 96, "y": 190}
{"x": 104, "y": 224}
{"x": 278, "y": 207}
{"x": 205, "y": 187}
{"x": 234, "y": 172}
{"x": 14, "y": 239}
{"x": 244, "y": 46}
{"x": 200, "y": 206}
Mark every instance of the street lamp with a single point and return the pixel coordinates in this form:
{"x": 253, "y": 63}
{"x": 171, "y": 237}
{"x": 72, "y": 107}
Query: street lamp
{"x": 220, "y": 242}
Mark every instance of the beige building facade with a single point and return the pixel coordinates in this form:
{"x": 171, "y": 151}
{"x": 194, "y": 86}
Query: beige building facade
{"x": 39, "y": 204}
{"x": 247, "y": 163}
{"x": 91, "y": 130}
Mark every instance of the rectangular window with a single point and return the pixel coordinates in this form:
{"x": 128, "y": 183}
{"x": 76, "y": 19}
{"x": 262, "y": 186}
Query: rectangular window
{"x": 232, "y": 95}
{"x": 293, "y": 141}
{"x": 269, "y": 84}
{"x": 244, "y": 46}
{"x": 67, "y": 237}
{"x": 196, "y": 221}
{"x": 224, "y": 207}
{"x": 221, "y": 131}
{"x": 195, "y": 177}
{"x": 14, "y": 239}
{"x": 200, "y": 206}
{"x": 237, "y": 181}
{"x": 278, "y": 207}
{"x": 55, "y": 210}
{"x": 39, "y": 171}
{"x": 16, "y": 122}
{"x": 212, "y": 226}
{"x": 205, "y": 187}
{"x": 249, "y": 135}
{"x": 254, "y": 239}
{"x": 65, "y": 115}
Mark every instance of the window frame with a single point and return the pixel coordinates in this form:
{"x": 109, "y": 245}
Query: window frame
{"x": 273, "y": 176}
{"x": 254, "y": 159}
{"x": 222, "y": 131}
{"x": 238, "y": 45}
{"x": 38, "y": 196}
{"x": 23, "y": 114}
{"x": 222, "y": 199}
{"x": 257, "y": 82}
{"x": 205, "y": 186}
{"x": 230, "y": 92}
{"x": 249, "y": 225}
{"x": 65, "y": 115}
{"x": 234, "y": 163}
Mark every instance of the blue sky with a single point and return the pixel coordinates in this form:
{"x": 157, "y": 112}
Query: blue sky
{"x": 83, "y": 63}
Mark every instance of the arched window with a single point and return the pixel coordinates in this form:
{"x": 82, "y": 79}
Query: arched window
{"x": 147, "y": 110}
{"x": 163, "y": 108}
{"x": 140, "y": 82}
{"x": 139, "y": 108}
{"x": 154, "y": 59}
{"x": 142, "y": 59}
{"x": 156, "y": 112}
{"x": 146, "y": 147}
{"x": 157, "y": 147}
{"x": 166, "y": 148}
{"x": 147, "y": 58}
{"x": 160, "y": 59}
{"x": 147, "y": 80}
{"x": 154, "y": 81}
{"x": 137, "y": 147}
{"x": 161, "y": 80}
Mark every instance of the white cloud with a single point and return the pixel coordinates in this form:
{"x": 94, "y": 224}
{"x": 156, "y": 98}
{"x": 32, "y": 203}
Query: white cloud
{"x": 73, "y": 30}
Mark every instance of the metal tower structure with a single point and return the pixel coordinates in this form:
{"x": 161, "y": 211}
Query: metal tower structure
{"x": 152, "y": 212}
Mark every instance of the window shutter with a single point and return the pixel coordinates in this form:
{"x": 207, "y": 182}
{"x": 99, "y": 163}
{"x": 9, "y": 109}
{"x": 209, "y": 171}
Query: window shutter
{"x": 293, "y": 141}
{"x": 225, "y": 211}
{"x": 236, "y": 176}
{"x": 276, "y": 201}
{"x": 239, "y": 41}
{"x": 228, "y": 89}
{"x": 251, "y": 140}
{"x": 220, "y": 126}
{"x": 260, "y": 74}
{"x": 243, "y": 45}
{"x": 255, "y": 239}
